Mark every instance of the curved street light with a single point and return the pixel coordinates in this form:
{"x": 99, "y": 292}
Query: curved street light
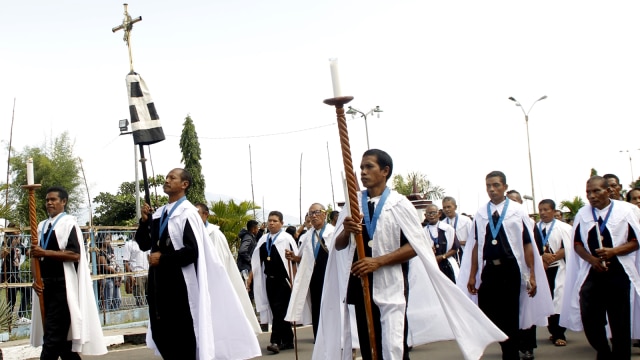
{"x": 526, "y": 121}
{"x": 353, "y": 111}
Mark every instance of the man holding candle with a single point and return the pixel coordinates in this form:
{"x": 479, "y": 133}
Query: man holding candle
{"x": 71, "y": 325}
{"x": 603, "y": 280}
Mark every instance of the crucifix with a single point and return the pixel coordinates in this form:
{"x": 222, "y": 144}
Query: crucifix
{"x": 127, "y": 26}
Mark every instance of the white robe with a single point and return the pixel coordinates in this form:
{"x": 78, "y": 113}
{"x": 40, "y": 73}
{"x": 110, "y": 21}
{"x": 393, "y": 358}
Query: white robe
{"x": 578, "y": 269}
{"x": 450, "y": 234}
{"x": 462, "y": 228}
{"x": 283, "y": 242}
{"x": 220, "y": 325}
{"x": 533, "y": 310}
{"x": 456, "y": 315}
{"x": 560, "y": 237}
{"x": 85, "y": 331}
{"x": 222, "y": 249}
{"x": 300, "y": 302}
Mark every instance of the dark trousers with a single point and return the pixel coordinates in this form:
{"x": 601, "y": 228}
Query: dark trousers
{"x": 278, "y": 293}
{"x": 363, "y": 328}
{"x": 603, "y": 294}
{"x": 57, "y": 322}
{"x": 316, "y": 300}
{"x": 528, "y": 339}
{"x": 556, "y": 331}
{"x": 499, "y": 299}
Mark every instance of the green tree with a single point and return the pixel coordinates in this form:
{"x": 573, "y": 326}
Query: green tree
{"x": 572, "y": 206}
{"x": 231, "y": 217}
{"x": 190, "y": 147}
{"x": 593, "y": 172}
{"x": 120, "y": 209}
{"x": 54, "y": 165}
{"x": 417, "y": 182}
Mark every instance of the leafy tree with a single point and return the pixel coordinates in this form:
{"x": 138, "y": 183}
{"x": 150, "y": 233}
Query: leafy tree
{"x": 231, "y": 217}
{"x": 594, "y": 172}
{"x": 190, "y": 147}
{"x": 417, "y": 182}
{"x": 54, "y": 165}
{"x": 572, "y": 206}
{"x": 120, "y": 209}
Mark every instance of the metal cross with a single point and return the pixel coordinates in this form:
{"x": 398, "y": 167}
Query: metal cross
{"x": 127, "y": 26}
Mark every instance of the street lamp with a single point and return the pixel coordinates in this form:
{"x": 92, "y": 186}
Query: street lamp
{"x": 353, "y": 111}
{"x": 526, "y": 121}
{"x": 633, "y": 179}
{"x": 124, "y": 127}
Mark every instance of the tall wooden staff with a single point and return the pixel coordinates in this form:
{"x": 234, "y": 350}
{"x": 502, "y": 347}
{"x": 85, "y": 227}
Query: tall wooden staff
{"x": 35, "y": 263}
{"x": 339, "y": 102}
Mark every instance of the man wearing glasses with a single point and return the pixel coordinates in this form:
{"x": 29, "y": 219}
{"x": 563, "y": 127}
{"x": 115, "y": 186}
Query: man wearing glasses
{"x": 444, "y": 242}
{"x": 313, "y": 256}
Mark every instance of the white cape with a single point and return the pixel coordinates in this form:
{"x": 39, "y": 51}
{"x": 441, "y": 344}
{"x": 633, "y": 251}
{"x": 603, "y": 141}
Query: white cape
{"x": 222, "y": 249}
{"x": 85, "y": 332}
{"x": 283, "y": 242}
{"x": 220, "y": 325}
{"x": 533, "y": 310}
{"x": 450, "y": 234}
{"x": 457, "y": 317}
{"x": 300, "y": 302}
{"x": 560, "y": 237}
{"x": 578, "y": 269}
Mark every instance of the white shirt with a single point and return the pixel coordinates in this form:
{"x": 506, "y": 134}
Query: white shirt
{"x": 138, "y": 259}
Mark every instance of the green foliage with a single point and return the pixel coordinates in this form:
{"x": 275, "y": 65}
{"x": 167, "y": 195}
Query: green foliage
{"x": 417, "y": 182}
{"x": 191, "y": 156}
{"x": 120, "y": 209}
{"x": 54, "y": 165}
{"x": 231, "y": 217}
{"x": 572, "y": 207}
{"x": 594, "y": 172}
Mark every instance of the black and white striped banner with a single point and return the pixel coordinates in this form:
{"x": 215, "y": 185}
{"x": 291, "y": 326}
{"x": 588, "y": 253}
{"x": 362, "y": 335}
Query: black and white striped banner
{"x": 145, "y": 121}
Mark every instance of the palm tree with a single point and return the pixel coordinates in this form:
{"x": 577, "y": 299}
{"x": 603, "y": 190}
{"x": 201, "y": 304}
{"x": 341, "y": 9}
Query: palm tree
{"x": 231, "y": 217}
{"x": 416, "y": 182}
{"x": 572, "y": 206}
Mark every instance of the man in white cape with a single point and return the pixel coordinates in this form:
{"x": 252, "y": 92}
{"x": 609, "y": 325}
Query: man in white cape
{"x": 445, "y": 242}
{"x": 603, "y": 274}
{"x": 194, "y": 312}
{"x": 504, "y": 274}
{"x": 312, "y": 257}
{"x": 461, "y": 224}
{"x": 72, "y": 325}
{"x": 221, "y": 247}
{"x": 451, "y": 313}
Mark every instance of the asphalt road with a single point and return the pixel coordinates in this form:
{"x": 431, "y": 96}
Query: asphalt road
{"x": 577, "y": 348}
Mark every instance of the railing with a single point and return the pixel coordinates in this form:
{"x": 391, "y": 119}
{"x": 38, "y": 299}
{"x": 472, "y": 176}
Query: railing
{"x": 109, "y": 285}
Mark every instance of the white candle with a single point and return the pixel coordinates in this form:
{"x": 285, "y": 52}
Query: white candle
{"x": 335, "y": 79}
{"x": 30, "y": 171}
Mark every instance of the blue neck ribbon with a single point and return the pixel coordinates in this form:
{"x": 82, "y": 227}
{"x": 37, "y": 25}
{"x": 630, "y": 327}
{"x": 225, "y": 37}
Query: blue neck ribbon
{"x": 270, "y": 242}
{"x": 316, "y": 244}
{"x": 495, "y": 229}
{"x": 435, "y": 239}
{"x": 371, "y": 223}
{"x": 545, "y": 239}
{"x": 164, "y": 221}
{"x": 45, "y": 242}
{"x": 455, "y": 224}
{"x": 604, "y": 221}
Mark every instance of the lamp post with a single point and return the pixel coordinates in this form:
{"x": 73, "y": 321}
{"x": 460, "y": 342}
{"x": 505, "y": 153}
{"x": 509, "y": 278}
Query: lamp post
{"x": 633, "y": 179}
{"x": 124, "y": 126}
{"x": 353, "y": 111}
{"x": 526, "y": 121}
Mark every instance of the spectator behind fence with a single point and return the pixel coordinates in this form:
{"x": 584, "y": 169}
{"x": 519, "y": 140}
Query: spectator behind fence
{"x": 107, "y": 266}
{"x": 12, "y": 251}
{"x": 136, "y": 260}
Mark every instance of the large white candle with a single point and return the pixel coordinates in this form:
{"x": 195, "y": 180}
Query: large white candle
{"x": 30, "y": 171}
{"x": 335, "y": 78}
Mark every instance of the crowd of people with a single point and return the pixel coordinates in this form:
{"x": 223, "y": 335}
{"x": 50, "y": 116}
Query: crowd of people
{"x": 494, "y": 277}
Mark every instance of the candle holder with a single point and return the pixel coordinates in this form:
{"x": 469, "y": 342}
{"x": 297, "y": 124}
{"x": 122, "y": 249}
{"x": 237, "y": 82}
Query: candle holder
{"x": 33, "y": 224}
{"x": 352, "y": 191}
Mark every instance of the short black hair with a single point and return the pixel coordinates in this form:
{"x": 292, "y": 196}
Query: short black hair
{"x": 185, "y": 175}
{"x": 611, "y": 176}
{"x": 382, "y": 158}
{"x": 204, "y": 207}
{"x": 629, "y": 193}
{"x": 62, "y": 194}
{"x": 548, "y": 202}
{"x": 276, "y": 213}
{"x": 498, "y": 174}
{"x": 600, "y": 179}
{"x": 333, "y": 215}
{"x": 513, "y": 192}
{"x": 251, "y": 224}
{"x": 449, "y": 198}
{"x": 291, "y": 230}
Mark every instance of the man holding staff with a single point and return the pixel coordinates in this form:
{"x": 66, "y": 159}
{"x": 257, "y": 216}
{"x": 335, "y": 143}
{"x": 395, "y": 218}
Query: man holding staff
{"x": 604, "y": 276}
{"x": 71, "y": 324}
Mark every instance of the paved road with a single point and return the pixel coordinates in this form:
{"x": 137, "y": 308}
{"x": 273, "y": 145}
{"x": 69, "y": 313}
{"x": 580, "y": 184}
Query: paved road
{"x": 577, "y": 348}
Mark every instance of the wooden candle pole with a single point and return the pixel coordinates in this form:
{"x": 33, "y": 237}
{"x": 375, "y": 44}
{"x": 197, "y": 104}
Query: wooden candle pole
{"x": 35, "y": 263}
{"x": 352, "y": 187}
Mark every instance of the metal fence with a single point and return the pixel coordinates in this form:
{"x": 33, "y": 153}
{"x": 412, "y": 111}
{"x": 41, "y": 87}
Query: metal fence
{"x": 110, "y": 279}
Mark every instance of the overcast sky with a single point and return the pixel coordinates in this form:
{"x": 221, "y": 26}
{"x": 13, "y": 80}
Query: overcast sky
{"x": 256, "y": 72}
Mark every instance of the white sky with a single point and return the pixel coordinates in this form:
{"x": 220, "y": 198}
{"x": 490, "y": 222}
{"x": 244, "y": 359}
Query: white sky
{"x": 441, "y": 71}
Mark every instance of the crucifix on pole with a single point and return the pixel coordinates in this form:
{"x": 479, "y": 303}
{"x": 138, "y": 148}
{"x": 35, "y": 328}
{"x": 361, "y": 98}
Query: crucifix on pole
{"x": 127, "y": 26}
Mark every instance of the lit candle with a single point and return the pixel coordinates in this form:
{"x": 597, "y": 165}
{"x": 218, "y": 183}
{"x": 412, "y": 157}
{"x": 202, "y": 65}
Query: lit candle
{"x": 335, "y": 79}
{"x": 30, "y": 171}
